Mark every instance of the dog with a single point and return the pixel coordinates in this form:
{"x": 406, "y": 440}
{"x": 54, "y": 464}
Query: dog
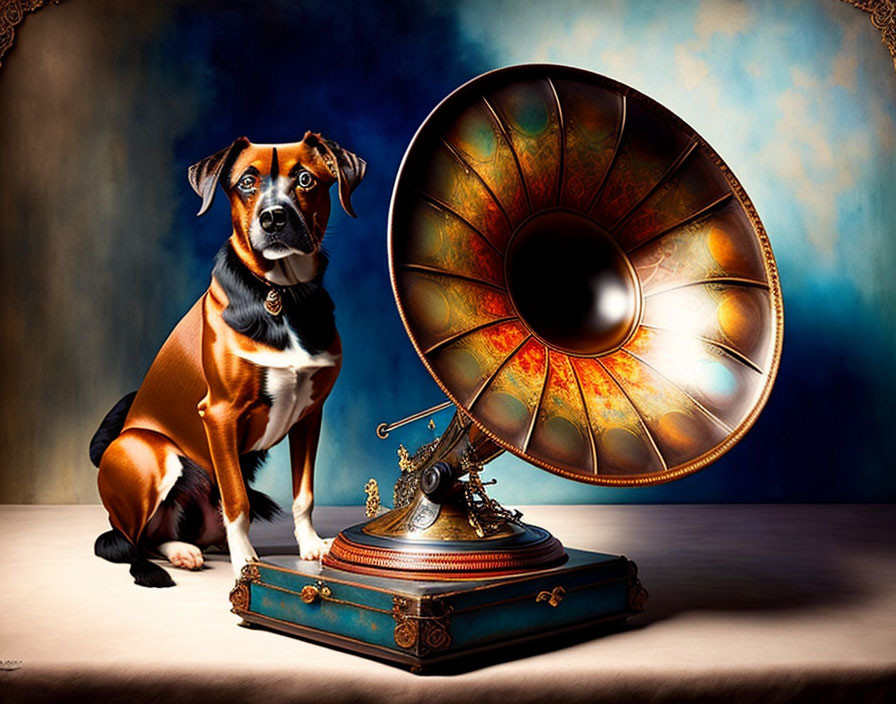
{"x": 251, "y": 363}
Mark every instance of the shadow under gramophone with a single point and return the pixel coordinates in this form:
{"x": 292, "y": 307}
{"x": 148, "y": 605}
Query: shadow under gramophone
{"x": 819, "y": 438}
{"x": 473, "y": 659}
{"x": 762, "y": 558}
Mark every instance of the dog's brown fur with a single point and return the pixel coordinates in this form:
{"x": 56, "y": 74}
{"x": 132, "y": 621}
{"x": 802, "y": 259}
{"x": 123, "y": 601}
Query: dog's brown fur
{"x": 203, "y": 397}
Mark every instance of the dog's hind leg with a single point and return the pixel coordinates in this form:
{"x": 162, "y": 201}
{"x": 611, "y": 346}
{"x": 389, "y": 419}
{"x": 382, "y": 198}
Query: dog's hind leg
{"x": 188, "y": 518}
{"x": 115, "y": 547}
{"x": 136, "y": 472}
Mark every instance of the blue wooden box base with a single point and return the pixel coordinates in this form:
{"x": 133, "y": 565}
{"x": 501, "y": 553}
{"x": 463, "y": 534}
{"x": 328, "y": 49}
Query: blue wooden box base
{"x": 425, "y": 623}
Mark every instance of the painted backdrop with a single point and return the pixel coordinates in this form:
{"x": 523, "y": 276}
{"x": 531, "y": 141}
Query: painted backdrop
{"x": 103, "y": 105}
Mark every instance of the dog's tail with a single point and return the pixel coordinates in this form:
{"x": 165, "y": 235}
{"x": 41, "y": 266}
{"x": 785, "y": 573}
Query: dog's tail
{"x": 115, "y": 547}
{"x": 110, "y": 428}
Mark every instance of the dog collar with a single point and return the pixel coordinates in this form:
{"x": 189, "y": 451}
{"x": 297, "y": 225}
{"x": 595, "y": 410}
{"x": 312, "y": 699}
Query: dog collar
{"x": 275, "y": 295}
{"x": 273, "y": 301}
{"x": 273, "y": 304}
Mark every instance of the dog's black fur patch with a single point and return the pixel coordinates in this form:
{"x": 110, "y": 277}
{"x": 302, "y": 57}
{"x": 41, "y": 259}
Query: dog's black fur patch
{"x": 149, "y": 574}
{"x": 195, "y": 487}
{"x": 261, "y": 505}
{"x": 250, "y": 463}
{"x": 307, "y": 307}
{"x": 115, "y": 547}
{"x": 110, "y": 428}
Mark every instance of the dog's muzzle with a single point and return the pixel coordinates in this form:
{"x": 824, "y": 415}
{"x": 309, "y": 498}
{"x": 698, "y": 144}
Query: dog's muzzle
{"x": 280, "y": 230}
{"x": 273, "y": 219}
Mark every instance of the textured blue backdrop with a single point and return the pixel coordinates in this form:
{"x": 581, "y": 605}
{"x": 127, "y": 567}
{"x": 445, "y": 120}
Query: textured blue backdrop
{"x": 799, "y": 98}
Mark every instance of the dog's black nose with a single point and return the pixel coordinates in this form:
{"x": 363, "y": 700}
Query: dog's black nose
{"x": 273, "y": 219}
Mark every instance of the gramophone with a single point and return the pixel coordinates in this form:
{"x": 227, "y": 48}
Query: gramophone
{"x": 591, "y": 287}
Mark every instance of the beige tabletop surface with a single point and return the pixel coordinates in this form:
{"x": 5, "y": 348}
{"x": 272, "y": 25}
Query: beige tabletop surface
{"x": 747, "y": 602}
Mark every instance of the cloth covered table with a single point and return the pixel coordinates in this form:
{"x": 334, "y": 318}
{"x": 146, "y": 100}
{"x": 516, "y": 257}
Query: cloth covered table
{"x": 747, "y": 603}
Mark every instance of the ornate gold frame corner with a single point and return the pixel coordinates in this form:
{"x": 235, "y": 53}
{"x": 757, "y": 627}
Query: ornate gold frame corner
{"x": 883, "y": 17}
{"x": 12, "y": 14}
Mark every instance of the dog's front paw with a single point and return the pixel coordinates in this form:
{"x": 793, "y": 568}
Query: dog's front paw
{"x": 183, "y": 555}
{"x": 312, "y": 546}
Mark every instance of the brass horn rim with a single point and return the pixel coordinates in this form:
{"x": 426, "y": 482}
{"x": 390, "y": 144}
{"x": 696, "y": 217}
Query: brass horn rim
{"x": 776, "y": 329}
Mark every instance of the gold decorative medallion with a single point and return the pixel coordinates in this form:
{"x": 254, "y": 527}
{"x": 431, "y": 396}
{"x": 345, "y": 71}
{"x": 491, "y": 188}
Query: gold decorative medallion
{"x": 310, "y": 594}
{"x": 406, "y": 628}
{"x": 435, "y": 635}
{"x": 406, "y": 634}
{"x": 273, "y": 304}
{"x": 422, "y": 633}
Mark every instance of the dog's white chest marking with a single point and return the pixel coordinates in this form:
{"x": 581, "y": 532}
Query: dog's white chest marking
{"x": 288, "y": 385}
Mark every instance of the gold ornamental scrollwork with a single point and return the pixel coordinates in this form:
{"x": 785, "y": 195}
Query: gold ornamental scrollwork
{"x": 551, "y": 598}
{"x": 239, "y": 598}
{"x": 406, "y": 629}
{"x": 435, "y": 635}
{"x": 12, "y": 13}
{"x": 250, "y": 573}
{"x": 372, "y": 502}
{"x": 421, "y": 634}
{"x": 883, "y": 17}
{"x": 240, "y": 595}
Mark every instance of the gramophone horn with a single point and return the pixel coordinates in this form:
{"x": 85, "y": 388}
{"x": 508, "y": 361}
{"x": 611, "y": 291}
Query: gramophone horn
{"x": 584, "y": 277}
{"x": 590, "y": 285}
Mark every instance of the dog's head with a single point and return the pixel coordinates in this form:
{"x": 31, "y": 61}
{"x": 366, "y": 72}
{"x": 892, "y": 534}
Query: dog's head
{"x": 279, "y": 193}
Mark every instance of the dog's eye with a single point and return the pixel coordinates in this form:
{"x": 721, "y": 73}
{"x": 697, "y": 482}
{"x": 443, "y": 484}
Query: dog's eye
{"x": 248, "y": 183}
{"x": 305, "y": 180}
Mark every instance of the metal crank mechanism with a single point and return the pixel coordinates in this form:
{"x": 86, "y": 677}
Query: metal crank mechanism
{"x": 433, "y": 473}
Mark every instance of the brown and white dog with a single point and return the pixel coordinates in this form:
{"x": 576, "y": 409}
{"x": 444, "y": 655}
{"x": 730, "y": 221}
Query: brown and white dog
{"x": 250, "y": 363}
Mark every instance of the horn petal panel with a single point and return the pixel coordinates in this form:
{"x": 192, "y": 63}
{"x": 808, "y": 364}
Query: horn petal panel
{"x": 541, "y": 196}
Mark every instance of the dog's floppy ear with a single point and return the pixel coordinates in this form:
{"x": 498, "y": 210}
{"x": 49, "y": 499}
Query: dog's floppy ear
{"x": 348, "y": 168}
{"x": 204, "y": 175}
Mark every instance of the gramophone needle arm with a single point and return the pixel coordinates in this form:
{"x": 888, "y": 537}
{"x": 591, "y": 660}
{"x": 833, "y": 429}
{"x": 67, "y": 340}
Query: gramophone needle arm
{"x": 383, "y": 429}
